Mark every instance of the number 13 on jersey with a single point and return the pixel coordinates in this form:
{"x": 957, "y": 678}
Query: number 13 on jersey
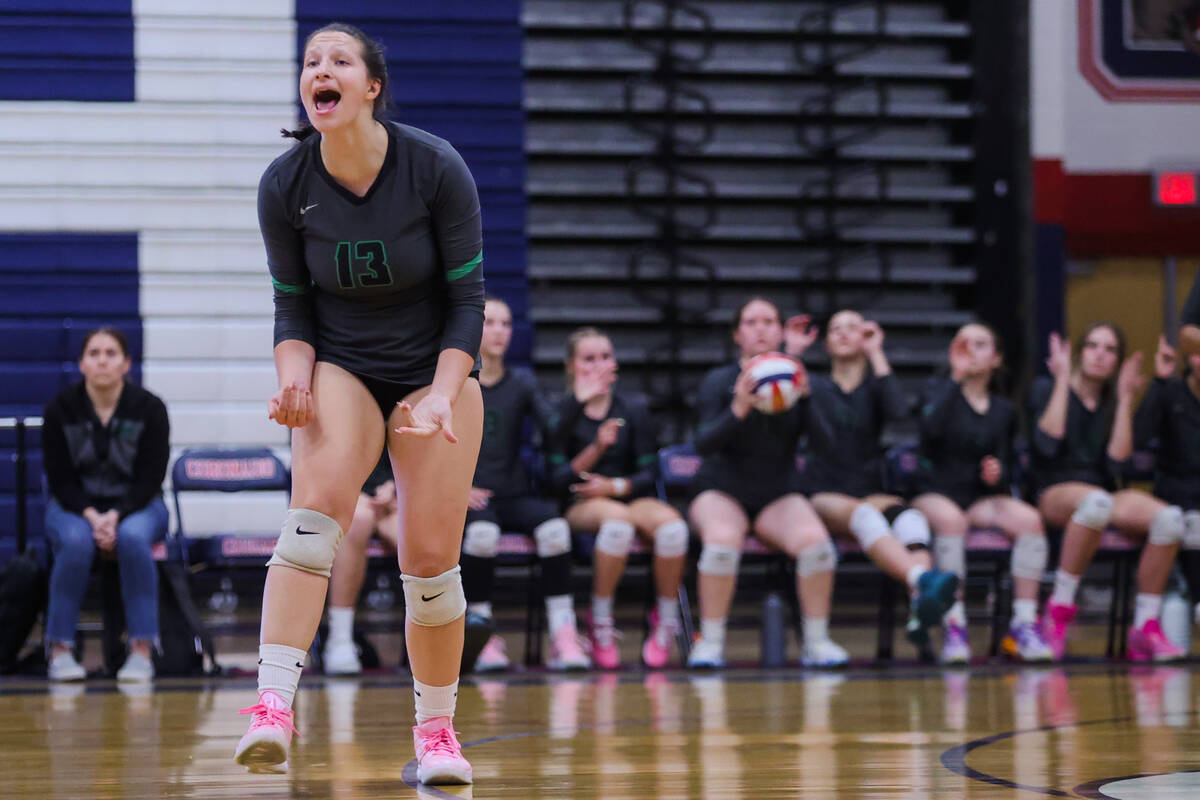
{"x": 362, "y": 265}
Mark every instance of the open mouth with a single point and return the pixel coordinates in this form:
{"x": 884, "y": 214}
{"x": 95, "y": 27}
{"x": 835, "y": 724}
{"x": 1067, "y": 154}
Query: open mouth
{"x": 325, "y": 100}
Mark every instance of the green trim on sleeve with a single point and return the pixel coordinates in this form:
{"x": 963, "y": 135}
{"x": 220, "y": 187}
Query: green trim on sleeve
{"x": 647, "y": 459}
{"x": 465, "y": 269}
{"x": 288, "y": 288}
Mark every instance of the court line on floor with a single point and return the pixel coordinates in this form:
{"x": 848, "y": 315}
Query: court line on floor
{"x": 955, "y": 759}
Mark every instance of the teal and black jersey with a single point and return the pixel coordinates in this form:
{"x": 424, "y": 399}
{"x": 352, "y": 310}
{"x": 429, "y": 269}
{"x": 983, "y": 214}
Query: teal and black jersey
{"x": 507, "y": 405}
{"x": 380, "y": 284}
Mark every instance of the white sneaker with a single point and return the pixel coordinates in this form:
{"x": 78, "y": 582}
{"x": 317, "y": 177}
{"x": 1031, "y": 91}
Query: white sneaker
{"x": 706, "y": 655}
{"x": 64, "y": 667}
{"x": 136, "y": 669}
{"x": 825, "y": 653}
{"x": 341, "y": 657}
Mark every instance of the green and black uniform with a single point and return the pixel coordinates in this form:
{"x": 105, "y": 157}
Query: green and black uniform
{"x": 955, "y": 438}
{"x": 753, "y": 459}
{"x": 378, "y": 284}
{"x": 633, "y": 456}
{"x": 509, "y": 406}
{"x": 1081, "y": 455}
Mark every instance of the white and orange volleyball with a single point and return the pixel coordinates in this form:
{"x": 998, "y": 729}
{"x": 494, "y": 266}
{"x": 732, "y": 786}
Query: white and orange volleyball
{"x": 779, "y": 380}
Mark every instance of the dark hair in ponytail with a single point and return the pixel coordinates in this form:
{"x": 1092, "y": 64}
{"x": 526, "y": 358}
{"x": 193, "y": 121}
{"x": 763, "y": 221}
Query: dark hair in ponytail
{"x": 372, "y": 56}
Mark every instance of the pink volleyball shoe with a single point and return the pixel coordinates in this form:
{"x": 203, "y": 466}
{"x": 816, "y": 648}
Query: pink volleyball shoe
{"x": 656, "y": 652}
{"x": 266, "y": 745}
{"x": 1056, "y": 620}
{"x": 1149, "y": 643}
{"x": 605, "y": 653}
{"x": 439, "y": 755}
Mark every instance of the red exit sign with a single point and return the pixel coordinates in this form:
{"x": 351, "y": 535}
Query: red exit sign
{"x": 1175, "y": 188}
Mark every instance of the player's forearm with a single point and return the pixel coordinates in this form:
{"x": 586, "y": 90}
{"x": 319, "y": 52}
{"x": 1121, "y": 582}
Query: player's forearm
{"x": 1053, "y": 421}
{"x": 294, "y": 362}
{"x": 453, "y": 367}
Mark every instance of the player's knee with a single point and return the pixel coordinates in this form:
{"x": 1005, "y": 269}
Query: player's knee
{"x": 671, "y": 539}
{"x": 1029, "y": 556}
{"x": 481, "y": 538}
{"x": 615, "y": 537}
{"x": 1167, "y": 526}
{"x": 307, "y": 542}
{"x": 552, "y": 538}
{"x": 1094, "y": 510}
{"x": 817, "y": 557}
{"x": 431, "y": 602}
{"x": 719, "y": 560}
{"x": 362, "y": 524}
{"x": 1027, "y": 521}
{"x": 910, "y": 526}
{"x": 868, "y": 526}
{"x": 724, "y": 535}
{"x": 950, "y": 554}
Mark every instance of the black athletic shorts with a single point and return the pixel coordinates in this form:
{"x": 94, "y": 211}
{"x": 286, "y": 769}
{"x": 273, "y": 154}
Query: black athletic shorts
{"x": 752, "y": 496}
{"x": 388, "y": 393}
{"x": 522, "y": 513}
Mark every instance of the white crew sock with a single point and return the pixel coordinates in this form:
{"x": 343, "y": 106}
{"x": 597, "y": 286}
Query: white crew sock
{"x": 1146, "y": 608}
{"x": 341, "y": 624}
{"x": 434, "y": 701}
{"x": 1024, "y": 611}
{"x": 713, "y": 630}
{"x": 957, "y": 615}
{"x": 914, "y": 575}
{"x": 668, "y": 610}
{"x": 279, "y": 668}
{"x": 816, "y": 630}
{"x": 560, "y": 611}
{"x": 602, "y": 610}
{"x": 1065, "y": 587}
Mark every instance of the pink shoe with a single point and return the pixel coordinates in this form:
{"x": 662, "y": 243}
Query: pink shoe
{"x": 439, "y": 755}
{"x": 269, "y": 739}
{"x": 605, "y": 653}
{"x": 656, "y": 652}
{"x": 493, "y": 657}
{"x": 566, "y": 653}
{"x": 1149, "y": 643}
{"x": 1055, "y": 621}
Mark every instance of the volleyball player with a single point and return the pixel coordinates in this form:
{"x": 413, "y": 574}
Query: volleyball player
{"x": 1189, "y": 335}
{"x": 745, "y": 483}
{"x": 844, "y": 470}
{"x": 502, "y": 497}
{"x": 1168, "y": 420}
{"x": 603, "y": 460}
{"x": 965, "y": 479}
{"x": 373, "y": 241}
{"x": 1082, "y": 419}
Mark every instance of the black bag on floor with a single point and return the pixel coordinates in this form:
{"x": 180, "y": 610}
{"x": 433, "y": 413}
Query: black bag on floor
{"x": 184, "y": 640}
{"x": 22, "y": 598}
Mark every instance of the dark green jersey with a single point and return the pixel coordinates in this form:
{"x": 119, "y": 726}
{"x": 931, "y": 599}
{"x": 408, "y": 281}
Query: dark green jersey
{"x": 507, "y": 406}
{"x": 379, "y": 284}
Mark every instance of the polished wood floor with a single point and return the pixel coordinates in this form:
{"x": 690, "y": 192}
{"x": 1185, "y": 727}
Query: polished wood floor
{"x": 908, "y": 732}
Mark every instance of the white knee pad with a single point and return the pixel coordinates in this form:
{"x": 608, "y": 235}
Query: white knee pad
{"x": 819, "y": 557}
{"x": 719, "y": 559}
{"x": 481, "y": 538}
{"x": 1167, "y": 526}
{"x": 950, "y": 555}
{"x": 1029, "y": 556}
{"x": 1191, "y": 530}
{"x": 614, "y": 538}
{"x": 553, "y": 538}
{"x": 671, "y": 539}
{"x": 1094, "y": 510}
{"x": 435, "y": 601}
{"x": 308, "y": 541}
{"x": 868, "y": 526}
{"x": 911, "y": 528}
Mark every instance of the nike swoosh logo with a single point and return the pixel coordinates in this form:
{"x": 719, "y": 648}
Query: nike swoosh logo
{"x": 301, "y": 532}
{"x": 306, "y": 209}
{"x": 435, "y": 597}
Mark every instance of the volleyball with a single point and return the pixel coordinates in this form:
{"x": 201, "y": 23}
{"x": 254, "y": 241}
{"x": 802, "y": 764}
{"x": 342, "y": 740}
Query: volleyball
{"x": 778, "y": 381}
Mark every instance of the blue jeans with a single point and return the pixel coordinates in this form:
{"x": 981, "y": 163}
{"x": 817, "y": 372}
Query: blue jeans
{"x": 70, "y": 537}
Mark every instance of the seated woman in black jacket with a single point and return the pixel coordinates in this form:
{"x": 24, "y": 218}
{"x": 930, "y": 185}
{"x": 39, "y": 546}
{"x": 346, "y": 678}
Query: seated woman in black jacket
{"x": 105, "y": 446}
{"x": 603, "y": 456}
